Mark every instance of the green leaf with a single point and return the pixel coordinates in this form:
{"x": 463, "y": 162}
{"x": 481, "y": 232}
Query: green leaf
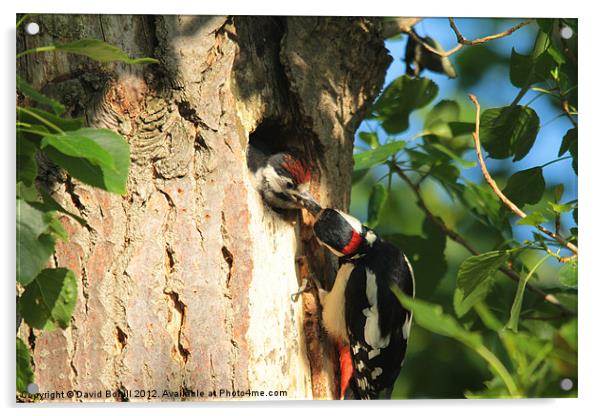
{"x": 509, "y": 130}
{"x": 94, "y": 172}
{"x": 526, "y": 70}
{"x": 56, "y": 228}
{"x": 376, "y": 203}
{"x": 460, "y": 128}
{"x": 56, "y": 107}
{"x": 75, "y": 144}
{"x": 24, "y": 370}
{"x": 534, "y": 218}
{"x": 101, "y": 51}
{"x": 41, "y": 117}
{"x": 34, "y": 247}
{"x": 569, "y": 140}
{"x": 520, "y": 293}
{"x": 443, "y": 112}
{"x": 370, "y": 138}
{"x": 27, "y": 168}
{"x": 49, "y": 204}
{"x": 546, "y": 25}
{"x": 452, "y": 155}
{"x": 50, "y": 299}
{"x": 561, "y": 208}
{"x": 486, "y": 205}
{"x": 399, "y": 99}
{"x": 463, "y": 306}
{"x": 476, "y": 270}
{"x": 569, "y": 333}
{"x": 432, "y": 318}
{"x": 27, "y": 193}
{"x": 438, "y": 119}
{"x": 376, "y": 156}
{"x": 567, "y": 274}
{"x": 526, "y": 187}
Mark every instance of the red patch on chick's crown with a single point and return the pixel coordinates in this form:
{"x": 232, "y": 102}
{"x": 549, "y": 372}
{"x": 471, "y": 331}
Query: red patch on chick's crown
{"x": 353, "y": 244}
{"x": 299, "y": 170}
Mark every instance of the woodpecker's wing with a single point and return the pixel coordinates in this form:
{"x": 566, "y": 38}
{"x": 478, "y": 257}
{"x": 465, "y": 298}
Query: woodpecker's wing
{"x": 375, "y": 326}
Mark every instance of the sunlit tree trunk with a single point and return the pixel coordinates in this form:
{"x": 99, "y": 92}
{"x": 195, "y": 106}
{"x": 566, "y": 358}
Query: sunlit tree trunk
{"x": 186, "y": 281}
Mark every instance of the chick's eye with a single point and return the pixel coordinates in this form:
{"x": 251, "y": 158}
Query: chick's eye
{"x": 290, "y": 185}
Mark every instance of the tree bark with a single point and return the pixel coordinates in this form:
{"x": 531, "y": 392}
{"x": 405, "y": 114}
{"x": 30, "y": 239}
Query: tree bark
{"x": 186, "y": 282}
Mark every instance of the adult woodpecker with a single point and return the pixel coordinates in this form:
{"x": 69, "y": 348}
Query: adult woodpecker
{"x": 282, "y": 179}
{"x": 361, "y": 312}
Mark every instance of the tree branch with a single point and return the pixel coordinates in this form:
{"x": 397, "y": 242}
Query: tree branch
{"x": 462, "y": 41}
{"x": 466, "y": 244}
{"x": 497, "y": 190}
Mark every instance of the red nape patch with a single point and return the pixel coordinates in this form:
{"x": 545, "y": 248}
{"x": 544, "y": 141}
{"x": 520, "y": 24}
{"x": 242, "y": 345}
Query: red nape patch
{"x": 346, "y": 367}
{"x": 353, "y": 244}
{"x": 299, "y": 170}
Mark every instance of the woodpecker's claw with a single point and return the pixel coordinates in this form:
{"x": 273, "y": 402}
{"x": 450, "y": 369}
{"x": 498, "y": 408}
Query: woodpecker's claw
{"x": 303, "y": 288}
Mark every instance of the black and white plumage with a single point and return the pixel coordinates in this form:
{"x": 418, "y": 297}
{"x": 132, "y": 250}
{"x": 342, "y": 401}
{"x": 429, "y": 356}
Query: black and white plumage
{"x": 361, "y": 312}
{"x": 282, "y": 179}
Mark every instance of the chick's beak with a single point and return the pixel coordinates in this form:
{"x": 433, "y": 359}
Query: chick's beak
{"x": 309, "y": 203}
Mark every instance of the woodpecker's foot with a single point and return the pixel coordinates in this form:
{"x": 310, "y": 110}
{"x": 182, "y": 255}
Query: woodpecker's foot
{"x": 303, "y": 288}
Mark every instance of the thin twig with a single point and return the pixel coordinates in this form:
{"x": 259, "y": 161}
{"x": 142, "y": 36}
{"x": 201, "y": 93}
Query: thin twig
{"x": 497, "y": 190}
{"x": 462, "y": 41}
{"x": 466, "y": 244}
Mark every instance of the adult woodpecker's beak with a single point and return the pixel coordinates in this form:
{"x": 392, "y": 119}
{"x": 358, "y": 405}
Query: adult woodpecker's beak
{"x": 308, "y": 201}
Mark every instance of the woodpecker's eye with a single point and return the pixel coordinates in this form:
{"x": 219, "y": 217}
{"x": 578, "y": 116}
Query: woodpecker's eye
{"x": 290, "y": 185}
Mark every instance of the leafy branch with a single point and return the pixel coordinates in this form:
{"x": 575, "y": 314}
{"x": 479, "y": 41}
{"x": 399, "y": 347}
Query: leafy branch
{"x": 516, "y": 210}
{"x": 467, "y": 245}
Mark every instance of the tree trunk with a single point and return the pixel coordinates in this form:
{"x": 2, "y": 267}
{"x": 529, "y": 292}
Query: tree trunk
{"x": 186, "y": 282}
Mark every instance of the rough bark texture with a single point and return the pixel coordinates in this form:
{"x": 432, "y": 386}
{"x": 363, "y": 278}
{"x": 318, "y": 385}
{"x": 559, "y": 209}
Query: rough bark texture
{"x": 186, "y": 281}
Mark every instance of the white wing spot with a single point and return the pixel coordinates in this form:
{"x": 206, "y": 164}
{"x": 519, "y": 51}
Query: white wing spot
{"x": 362, "y": 383}
{"x": 356, "y": 348}
{"x": 376, "y": 372}
{"x": 407, "y": 326}
{"x": 360, "y": 365}
{"x": 373, "y": 353}
{"x": 372, "y": 333}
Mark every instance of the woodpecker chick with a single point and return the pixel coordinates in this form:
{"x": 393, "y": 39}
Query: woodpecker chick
{"x": 361, "y": 313}
{"x": 282, "y": 179}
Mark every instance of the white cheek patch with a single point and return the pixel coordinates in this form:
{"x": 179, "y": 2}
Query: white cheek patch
{"x": 272, "y": 178}
{"x": 372, "y": 333}
{"x": 354, "y": 222}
